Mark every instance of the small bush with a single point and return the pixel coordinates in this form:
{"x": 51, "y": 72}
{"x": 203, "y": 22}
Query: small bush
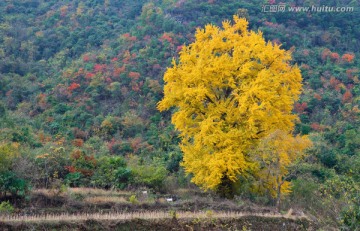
{"x": 133, "y": 200}
{"x": 6, "y": 208}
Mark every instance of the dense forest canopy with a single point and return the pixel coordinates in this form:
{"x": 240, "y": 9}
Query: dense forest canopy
{"x": 80, "y": 81}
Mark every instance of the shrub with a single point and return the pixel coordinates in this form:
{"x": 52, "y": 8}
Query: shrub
{"x": 133, "y": 200}
{"x": 11, "y": 183}
{"x": 149, "y": 174}
{"x": 111, "y": 172}
{"x": 6, "y": 207}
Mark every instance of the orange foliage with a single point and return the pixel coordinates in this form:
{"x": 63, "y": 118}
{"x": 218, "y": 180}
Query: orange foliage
{"x": 325, "y": 54}
{"x": 300, "y": 107}
{"x": 167, "y": 37}
{"x": 71, "y": 169}
{"x": 335, "y": 83}
{"x": 317, "y": 127}
{"x": 41, "y": 99}
{"x": 63, "y": 10}
{"x": 317, "y": 96}
{"x": 73, "y": 86}
{"x": 135, "y": 87}
{"x": 119, "y": 70}
{"x": 134, "y": 75}
{"x": 78, "y": 142}
{"x": 334, "y": 57}
{"x": 76, "y": 154}
{"x": 348, "y": 58}
{"x": 135, "y": 143}
{"x": 347, "y": 97}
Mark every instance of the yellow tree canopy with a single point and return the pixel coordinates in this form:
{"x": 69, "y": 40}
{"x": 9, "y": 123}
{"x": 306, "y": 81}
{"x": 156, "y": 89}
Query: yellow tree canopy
{"x": 230, "y": 88}
{"x": 273, "y": 155}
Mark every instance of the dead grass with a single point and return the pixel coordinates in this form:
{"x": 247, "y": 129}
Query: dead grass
{"x": 97, "y": 192}
{"x": 105, "y": 199}
{"x": 85, "y": 192}
{"x": 151, "y": 215}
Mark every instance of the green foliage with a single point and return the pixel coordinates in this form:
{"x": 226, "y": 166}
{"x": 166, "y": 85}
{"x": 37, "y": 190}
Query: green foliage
{"x": 49, "y": 47}
{"x": 133, "y": 200}
{"x": 6, "y": 208}
{"x": 73, "y": 179}
{"x": 111, "y": 172}
{"x": 150, "y": 174}
{"x": 11, "y": 183}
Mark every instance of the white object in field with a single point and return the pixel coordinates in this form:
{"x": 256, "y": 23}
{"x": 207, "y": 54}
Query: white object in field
{"x": 144, "y": 192}
{"x": 169, "y": 199}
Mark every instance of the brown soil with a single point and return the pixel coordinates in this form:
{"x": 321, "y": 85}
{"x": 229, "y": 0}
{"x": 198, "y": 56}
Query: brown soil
{"x": 244, "y": 223}
{"x": 43, "y": 204}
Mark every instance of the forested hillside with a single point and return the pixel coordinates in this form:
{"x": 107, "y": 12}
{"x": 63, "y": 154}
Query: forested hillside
{"x": 80, "y": 82}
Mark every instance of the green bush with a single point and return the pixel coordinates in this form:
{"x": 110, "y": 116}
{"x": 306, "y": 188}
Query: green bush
{"x": 133, "y": 200}
{"x": 149, "y": 174}
{"x": 111, "y": 172}
{"x": 73, "y": 179}
{"x": 6, "y": 208}
{"x": 11, "y": 183}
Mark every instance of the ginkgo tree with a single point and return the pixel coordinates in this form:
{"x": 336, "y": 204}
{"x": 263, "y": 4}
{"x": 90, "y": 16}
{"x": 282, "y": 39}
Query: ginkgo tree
{"x": 230, "y": 89}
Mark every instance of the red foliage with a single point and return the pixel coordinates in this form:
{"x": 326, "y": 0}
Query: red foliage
{"x": 348, "y": 58}
{"x": 325, "y": 54}
{"x": 115, "y": 59}
{"x": 86, "y": 58}
{"x": 79, "y": 134}
{"x": 134, "y": 75}
{"x": 119, "y": 70}
{"x": 334, "y": 57}
{"x": 179, "y": 48}
{"x": 156, "y": 66}
{"x": 334, "y": 83}
{"x": 73, "y": 86}
{"x": 133, "y": 38}
{"x": 351, "y": 72}
{"x": 300, "y": 107}
{"x": 99, "y": 67}
{"x": 316, "y": 127}
{"x": 127, "y": 36}
{"x": 306, "y": 52}
{"x": 167, "y": 37}
{"x": 89, "y": 75}
{"x": 71, "y": 169}
{"x": 108, "y": 80}
{"x": 305, "y": 66}
{"x": 347, "y": 97}
{"x": 8, "y": 93}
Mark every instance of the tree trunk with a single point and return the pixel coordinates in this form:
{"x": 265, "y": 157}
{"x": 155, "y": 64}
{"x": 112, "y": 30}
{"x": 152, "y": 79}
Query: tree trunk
{"x": 225, "y": 189}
